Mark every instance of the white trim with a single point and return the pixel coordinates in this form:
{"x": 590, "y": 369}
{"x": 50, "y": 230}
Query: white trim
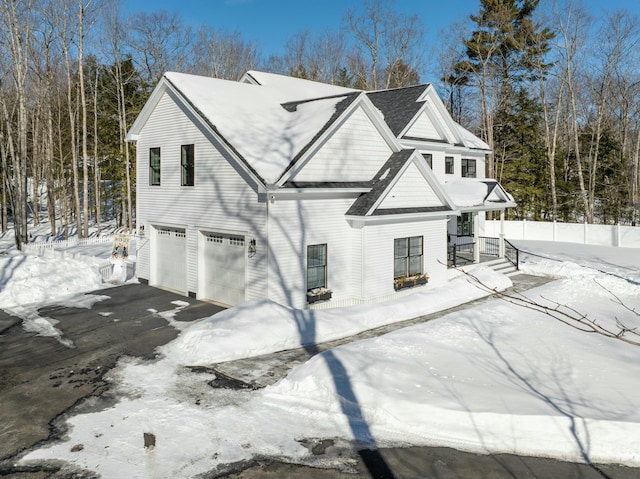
{"x": 165, "y": 86}
{"x": 416, "y": 159}
{"x": 374, "y": 115}
{"x": 486, "y": 207}
{"x": 428, "y": 145}
{"x": 399, "y": 218}
{"x": 337, "y": 192}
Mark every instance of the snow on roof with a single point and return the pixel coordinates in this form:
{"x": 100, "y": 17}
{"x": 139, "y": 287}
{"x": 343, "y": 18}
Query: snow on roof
{"x": 251, "y": 118}
{"x": 469, "y": 192}
{"x": 470, "y": 140}
{"x": 290, "y": 88}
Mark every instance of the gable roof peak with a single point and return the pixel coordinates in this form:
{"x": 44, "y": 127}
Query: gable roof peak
{"x": 293, "y": 88}
{"x": 248, "y": 117}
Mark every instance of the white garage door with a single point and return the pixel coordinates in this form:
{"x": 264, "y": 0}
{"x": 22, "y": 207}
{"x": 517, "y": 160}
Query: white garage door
{"x": 223, "y": 260}
{"x": 170, "y": 260}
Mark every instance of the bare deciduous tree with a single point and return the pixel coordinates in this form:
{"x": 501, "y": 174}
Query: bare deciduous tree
{"x": 321, "y": 57}
{"x": 390, "y": 45}
{"x": 161, "y": 42}
{"x": 17, "y": 28}
{"x": 222, "y": 54}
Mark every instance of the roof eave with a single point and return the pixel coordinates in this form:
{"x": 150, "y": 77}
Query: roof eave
{"x": 403, "y": 216}
{"x": 488, "y": 207}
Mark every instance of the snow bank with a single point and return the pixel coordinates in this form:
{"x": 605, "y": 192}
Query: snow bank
{"x": 495, "y": 378}
{"x": 558, "y": 259}
{"x": 241, "y": 332}
{"x": 28, "y": 283}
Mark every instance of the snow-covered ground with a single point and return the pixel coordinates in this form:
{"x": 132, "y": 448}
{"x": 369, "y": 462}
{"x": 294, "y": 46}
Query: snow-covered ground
{"x": 496, "y": 377}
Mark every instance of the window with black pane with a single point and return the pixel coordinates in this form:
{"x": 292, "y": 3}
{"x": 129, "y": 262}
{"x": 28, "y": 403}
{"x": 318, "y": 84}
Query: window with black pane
{"x": 316, "y": 266}
{"x": 448, "y": 165}
{"x": 407, "y": 256}
{"x": 187, "y": 165}
{"x": 468, "y": 168}
{"x": 154, "y": 166}
{"x": 465, "y": 224}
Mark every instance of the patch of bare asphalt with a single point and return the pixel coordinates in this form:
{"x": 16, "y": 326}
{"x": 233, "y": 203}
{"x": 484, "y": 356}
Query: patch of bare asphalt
{"x": 42, "y": 381}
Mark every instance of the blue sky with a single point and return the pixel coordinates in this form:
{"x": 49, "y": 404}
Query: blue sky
{"x": 271, "y": 23}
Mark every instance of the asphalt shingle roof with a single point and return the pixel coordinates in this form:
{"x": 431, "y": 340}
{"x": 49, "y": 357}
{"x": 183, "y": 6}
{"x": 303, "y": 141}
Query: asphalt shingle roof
{"x": 399, "y": 106}
{"x": 380, "y": 181}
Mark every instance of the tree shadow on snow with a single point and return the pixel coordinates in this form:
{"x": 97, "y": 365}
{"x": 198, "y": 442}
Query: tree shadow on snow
{"x": 548, "y": 386}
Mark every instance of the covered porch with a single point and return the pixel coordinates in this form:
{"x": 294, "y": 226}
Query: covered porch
{"x": 474, "y": 198}
{"x": 466, "y": 250}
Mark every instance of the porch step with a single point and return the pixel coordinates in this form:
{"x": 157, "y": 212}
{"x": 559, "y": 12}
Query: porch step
{"x": 503, "y": 266}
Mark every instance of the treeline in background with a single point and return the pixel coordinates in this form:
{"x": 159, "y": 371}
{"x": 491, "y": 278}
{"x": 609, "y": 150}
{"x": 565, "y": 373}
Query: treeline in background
{"x": 552, "y": 87}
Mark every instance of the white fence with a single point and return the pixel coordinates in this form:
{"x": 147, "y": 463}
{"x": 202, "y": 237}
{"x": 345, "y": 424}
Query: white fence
{"x": 604, "y": 235}
{"x": 59, "y": 249}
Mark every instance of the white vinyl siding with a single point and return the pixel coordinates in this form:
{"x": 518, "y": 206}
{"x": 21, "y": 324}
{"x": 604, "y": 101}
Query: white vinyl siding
{"x": 293, "y": 226}
{"x": 379, "y": 269}
{"x": 423, "y": 127}
{"x": 355, "y": 152}
{"x": 411, "y": 191}
{"x": 221, "y": 198}
{"x": 438, "y": 119}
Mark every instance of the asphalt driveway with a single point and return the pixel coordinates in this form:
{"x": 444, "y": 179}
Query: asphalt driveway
{"x": 40, "y": 378}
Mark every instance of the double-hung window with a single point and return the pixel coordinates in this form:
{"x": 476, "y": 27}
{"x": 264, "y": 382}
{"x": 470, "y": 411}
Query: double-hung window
{"x": 187, "y": 163}
{"x": 154, "y": 166}
{"x": 448, "y": 165}
{"x": 468, "y": 168}
{"x": 316, "y": 266}
{"x": 407, "y": 256}
{"x": 428, "y": 157}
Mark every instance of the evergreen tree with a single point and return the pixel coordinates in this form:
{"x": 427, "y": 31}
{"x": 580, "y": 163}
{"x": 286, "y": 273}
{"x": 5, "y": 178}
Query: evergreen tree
{"x": 505, "y": 52}
{"x": 520, "y": 155}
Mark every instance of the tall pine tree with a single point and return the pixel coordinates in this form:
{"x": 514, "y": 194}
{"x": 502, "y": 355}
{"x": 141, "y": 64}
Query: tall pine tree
{"x": 504, "y": 54}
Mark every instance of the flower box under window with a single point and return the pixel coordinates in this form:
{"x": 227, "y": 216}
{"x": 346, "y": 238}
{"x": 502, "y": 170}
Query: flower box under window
{"x": 410, "y": 281}
{"x": 318, "y": 294}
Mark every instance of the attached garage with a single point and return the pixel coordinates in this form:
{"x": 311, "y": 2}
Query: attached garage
{"x": 169, "y": 258}
{"x": 222, "y": 267}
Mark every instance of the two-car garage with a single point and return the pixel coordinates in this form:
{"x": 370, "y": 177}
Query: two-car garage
{"x": 220, "y": 262}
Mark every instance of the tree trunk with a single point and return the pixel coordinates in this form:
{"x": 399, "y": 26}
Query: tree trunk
{"x": 83, "y": 104}
{"x": 96, "y": 163}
